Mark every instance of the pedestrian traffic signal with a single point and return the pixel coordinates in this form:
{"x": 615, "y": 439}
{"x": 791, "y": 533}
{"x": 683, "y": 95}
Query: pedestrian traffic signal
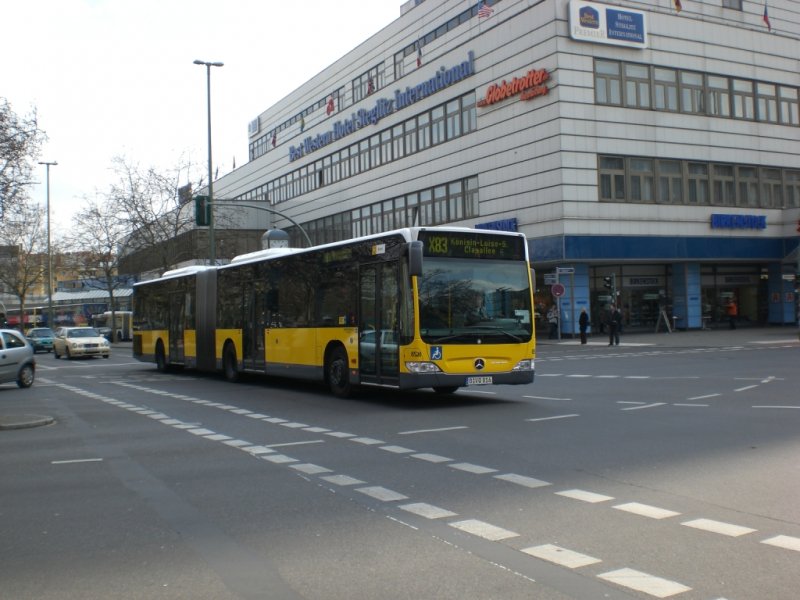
{"x": 608, "y": 282}
{"x": 202, "y": 211}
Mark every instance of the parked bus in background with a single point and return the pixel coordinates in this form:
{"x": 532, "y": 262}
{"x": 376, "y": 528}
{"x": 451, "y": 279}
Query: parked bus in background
{"x": 123, "y": 324}
{"x": 438, "y": 307}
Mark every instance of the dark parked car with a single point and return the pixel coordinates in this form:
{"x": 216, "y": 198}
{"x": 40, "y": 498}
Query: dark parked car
{"x": 41, "y": 338}
{"x": 16, "y": 359}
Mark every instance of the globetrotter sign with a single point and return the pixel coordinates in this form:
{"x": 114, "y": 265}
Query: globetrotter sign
{"x": 531, "y": 85}
{"x": 443, "y": 78}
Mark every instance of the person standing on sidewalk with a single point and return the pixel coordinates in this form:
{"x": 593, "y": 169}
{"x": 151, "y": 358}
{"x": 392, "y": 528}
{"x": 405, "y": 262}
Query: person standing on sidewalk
{"x": 552, "y": 319}
{"x": 732, "y": 311}
{"x": 583, "y": 324}
{"x": 614, "y": 325}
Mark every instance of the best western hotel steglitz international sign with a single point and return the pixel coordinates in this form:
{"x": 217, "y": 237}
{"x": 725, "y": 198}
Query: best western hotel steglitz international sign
{"x": 602, "y": 24}
{"x": 443, "y": 78}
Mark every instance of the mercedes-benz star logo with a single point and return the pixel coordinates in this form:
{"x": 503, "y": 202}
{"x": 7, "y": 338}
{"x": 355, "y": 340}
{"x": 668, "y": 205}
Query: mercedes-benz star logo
{"x": 479, "y": 364}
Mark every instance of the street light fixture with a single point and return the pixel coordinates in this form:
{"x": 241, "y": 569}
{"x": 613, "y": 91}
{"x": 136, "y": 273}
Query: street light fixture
{"x": 212, "y": 250}
{"x": 49, "y": 251}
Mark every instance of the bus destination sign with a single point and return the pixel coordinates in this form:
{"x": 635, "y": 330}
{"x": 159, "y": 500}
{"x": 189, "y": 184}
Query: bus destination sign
{"x": 452, "y": 244}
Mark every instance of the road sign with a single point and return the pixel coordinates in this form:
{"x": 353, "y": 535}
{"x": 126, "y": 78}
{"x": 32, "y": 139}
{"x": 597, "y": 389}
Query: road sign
{"x": 565, "y": 270}
{"x": 557, "y": 289}
{"x": 550, "y": 278}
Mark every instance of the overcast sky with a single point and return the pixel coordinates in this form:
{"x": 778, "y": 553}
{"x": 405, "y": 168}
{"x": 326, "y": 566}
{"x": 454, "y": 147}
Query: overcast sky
{"x": 115, "y": 77}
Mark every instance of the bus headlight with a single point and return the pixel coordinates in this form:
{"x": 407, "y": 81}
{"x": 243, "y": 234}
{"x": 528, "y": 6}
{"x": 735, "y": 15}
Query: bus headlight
{"x": 422, "y": 367}
{"x": 524, "y": 365}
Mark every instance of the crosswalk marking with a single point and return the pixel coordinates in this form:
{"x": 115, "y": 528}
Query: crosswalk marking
{"x": 429, "y": 511}
{"x": 719, "y": 527}
{"x": 642, "y": 582}
{"x": 470, "y": 468}
{"x": 784, "y": 541}
{"x": 382, "y": 493}
{"x": 645, "y": 510}
{"x": 529, "y": 482}
{"x": 585, "y": 496}
{"x": 561, "y": 556}
{"x": 484, "y": 530}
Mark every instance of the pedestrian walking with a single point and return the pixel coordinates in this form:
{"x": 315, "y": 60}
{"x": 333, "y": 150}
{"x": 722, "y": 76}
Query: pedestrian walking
{"x": 733, "y": 312}
{"x": 614, "y": 326}
{"x": 552, "y": 319}
{"x": 583, "y": 324}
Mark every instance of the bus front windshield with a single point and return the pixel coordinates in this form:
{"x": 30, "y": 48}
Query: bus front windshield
{"x": 474, "y": 301}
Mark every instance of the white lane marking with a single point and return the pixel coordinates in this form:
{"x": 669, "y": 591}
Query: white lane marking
{"x": 784, "y": 541}
{"x": 637, "y": 377}
{"x": 429, "y": 511}
{"x": 310, "y": 469}
{"x": 690, "y": 405}
{"x": 295, "y": 443}
{"x": 367, "y": 441}
{"x": 653, "y": 405}
{"x": 579, "y": 376}
{"x": 645, "y": 510}
{"x": 549, "y": 375}
{"x": 745, "y": 388}
{"x": 279, "y": 459}
{"x": 484, "y": 530}
{"x": 218, "y": 437}
{"x": 548, "y": 398}
{"x": 381, "y": 493}
{"x": 703, "y": 397}
{"x": 642, "y": 582}
{"x": 256, "y": 450}
{"x": 630, "y": 402}
{"x": 529, "y": 482}
{"x": 294, "y": 425}
{"x": 316, "y": 429}
{"x": 242, "y": 411}
{"x": 237, "y": 443}
{"x": 170, "y": 421}
{"x": 341, "y": 434}
{"x": 201, "y": 431}
{"x": 776, "y": 406}
{"x": 75, "y": 460}
{"x": 585, "y": 496}
{"x": 253, "y": 415}
{"x": 397, "y": 449}
{"x": 342, "y": 480}
{"x": 561, "y": 556}
{"x": 552, "y": 418}
{"x": 433, "y": 430}
{"x": 470, "y": 468}
{"x": 434, "y": 458}
{"x": 275, "y": 420}
{"x": 608, "y": 377}
{"x": 719, "y": 527}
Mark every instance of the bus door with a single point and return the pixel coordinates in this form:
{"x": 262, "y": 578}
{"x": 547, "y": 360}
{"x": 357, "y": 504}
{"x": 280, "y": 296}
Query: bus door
{"x": 378, "y": 352}
{"x": 176, "y": 327}
{"x": 255, "y": 312}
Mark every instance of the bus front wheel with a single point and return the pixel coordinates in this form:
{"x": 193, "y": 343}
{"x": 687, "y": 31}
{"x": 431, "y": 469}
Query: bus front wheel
{"x": 338, "y": 374}
{"x": 229, "y": 363}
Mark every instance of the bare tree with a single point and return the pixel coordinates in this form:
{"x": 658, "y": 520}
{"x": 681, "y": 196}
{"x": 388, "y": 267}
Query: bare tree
{"x": 155, "y": 211}
{"x": 98, "y": 237}
{"x": 20, "y": 142}
{"x": 22, "y": 264}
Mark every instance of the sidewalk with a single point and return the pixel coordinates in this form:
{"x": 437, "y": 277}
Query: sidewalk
{"x": 777, "y": 334}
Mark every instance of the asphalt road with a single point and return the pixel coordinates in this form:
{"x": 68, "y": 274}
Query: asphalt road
{"x": 666, "y": 467}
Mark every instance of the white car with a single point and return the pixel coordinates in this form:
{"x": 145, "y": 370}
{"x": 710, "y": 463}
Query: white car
{"x": 80, "y": 341}
{"x": 16, "y": 359}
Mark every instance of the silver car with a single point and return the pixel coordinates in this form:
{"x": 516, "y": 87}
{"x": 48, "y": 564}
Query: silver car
{"x": 80, "y": 341}
{"x": 16, "y": 359}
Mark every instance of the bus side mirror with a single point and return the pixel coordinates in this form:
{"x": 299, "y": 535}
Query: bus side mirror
{"x": 415, "y": 258}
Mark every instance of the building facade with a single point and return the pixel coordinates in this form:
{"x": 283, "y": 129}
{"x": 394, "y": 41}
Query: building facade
{"x": 650, "y": 154}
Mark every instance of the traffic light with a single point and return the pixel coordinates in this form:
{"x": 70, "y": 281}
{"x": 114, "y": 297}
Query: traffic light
{"x": 608, "y": 282}
{"x": 202, "y": 211}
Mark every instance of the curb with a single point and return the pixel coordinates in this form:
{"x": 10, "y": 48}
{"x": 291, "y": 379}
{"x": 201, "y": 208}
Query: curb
{"x": 24, "y": 421}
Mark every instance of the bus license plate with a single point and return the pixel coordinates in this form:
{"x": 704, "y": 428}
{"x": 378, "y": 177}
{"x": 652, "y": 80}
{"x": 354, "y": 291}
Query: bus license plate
{"x": 479, "y": 380}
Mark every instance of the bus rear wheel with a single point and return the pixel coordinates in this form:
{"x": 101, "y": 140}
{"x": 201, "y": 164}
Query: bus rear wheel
{"x": 230, "y": 365}
{"x": 161, "y": 358}
{"x": 337, "y": 373}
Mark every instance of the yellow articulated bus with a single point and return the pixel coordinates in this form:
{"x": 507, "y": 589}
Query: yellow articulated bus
{"x": 437, "y": 307}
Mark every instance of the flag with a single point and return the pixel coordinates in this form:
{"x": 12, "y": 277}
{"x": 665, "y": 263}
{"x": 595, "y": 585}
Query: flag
{"x": 234, "y": 163}
{"x": 330, "y": 108}
{"x": 274, "y": 138}
{"x": 302, "y": 124}
{"x": 216, "y": 172}
{"x": 766, "y": 17}
{"x": 419, "y": 54}
{"x": 678, "y": 5}
{"x": 486, "y": 11}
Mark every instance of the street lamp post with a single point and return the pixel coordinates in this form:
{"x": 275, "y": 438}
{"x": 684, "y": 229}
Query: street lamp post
{"x": 49, "y": 251}
{"x": 212, "y": 250}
